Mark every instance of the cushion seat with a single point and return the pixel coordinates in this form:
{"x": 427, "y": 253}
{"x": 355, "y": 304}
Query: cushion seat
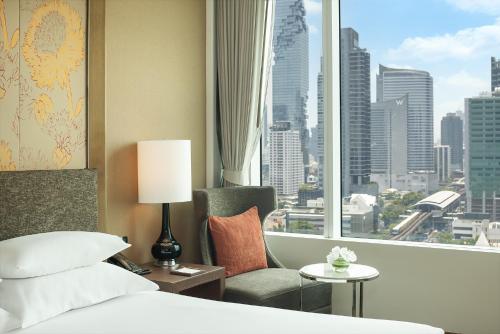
{"x": 278, "y": 287}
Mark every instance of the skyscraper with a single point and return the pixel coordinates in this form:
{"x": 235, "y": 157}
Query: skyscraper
{"x": 388, "y": 139}
{"x": 313, "y": 143}
{"x": 452, "y": 134}
{"x": 321, "y": 128}
{"x": 442, "y": 162}
{"x": 392, "y": 83}
{"x": 286, "y": 172}
{"x": 290, "y": 73}
{"x": 355, "y": 112}
{"x": 495, "y": 73}
{"x": 482, "y": 155}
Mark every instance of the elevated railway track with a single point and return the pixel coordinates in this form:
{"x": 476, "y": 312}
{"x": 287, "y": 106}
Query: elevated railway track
{"x": 409, "y": 225}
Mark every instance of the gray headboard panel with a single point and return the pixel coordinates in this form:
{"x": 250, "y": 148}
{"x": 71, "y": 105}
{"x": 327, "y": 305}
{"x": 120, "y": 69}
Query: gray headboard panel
{"x": 44, "y": 201}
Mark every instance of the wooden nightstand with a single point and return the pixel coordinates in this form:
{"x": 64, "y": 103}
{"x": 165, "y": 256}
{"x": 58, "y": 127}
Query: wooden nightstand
{"x": 209, "y": 284}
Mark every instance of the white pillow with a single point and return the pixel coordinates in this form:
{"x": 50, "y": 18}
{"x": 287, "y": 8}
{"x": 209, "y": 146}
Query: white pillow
{"x": 49, "y": 253}
{"x": 8, "y": 321}
{"x": 36, "y": 299}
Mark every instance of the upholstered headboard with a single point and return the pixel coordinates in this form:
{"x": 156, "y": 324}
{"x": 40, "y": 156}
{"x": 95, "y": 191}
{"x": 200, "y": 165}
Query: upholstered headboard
{"x": 43, "y": 201}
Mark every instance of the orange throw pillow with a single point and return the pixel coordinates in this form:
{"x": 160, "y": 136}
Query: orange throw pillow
{"x": 238, "y": 241}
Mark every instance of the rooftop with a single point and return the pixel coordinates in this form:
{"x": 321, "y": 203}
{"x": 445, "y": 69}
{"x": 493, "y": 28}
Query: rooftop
{"x": 440, "y": 199}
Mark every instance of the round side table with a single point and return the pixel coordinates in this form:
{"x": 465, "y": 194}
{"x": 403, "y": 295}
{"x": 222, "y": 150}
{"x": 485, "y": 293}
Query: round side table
{"x": 356, "y": 273}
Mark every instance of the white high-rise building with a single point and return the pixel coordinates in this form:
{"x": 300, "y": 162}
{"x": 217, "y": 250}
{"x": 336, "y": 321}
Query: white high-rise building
{"x": 286, "y": 164}
{"x": 442, "y": 162}
{"x": 321, "y": 128}
{"x": 388, "y": 138}
{"x": 392, "y": 83}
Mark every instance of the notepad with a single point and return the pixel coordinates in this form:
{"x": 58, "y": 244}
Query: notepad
{"x": 185, "y": 271}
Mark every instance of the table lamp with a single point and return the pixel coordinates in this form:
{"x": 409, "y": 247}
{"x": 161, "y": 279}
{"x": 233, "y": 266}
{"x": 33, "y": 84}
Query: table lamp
{"x": 164, "y": 176}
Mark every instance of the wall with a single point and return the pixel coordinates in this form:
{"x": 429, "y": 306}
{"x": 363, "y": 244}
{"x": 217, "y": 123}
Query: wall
{"x": 155, "y": 89}
{"x": 457, "y": 290}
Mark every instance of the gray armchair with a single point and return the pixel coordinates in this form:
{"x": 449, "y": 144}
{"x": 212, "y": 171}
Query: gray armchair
{"x": 276, "y": 286}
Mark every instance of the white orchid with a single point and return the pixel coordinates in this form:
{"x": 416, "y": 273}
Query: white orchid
{"x": 335, "y": 252}
{"x": 330, "y": 258}
{"x": 351, "y": 256}
{"x": 341, "y": 253}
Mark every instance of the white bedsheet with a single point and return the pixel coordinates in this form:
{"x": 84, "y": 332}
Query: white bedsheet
{"x": 159, "y": 312}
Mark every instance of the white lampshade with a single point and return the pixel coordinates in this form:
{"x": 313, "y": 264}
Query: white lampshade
{"x": 164, "y": 171}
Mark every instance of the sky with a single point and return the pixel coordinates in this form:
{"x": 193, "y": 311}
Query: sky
{"x": 451, "y": 39}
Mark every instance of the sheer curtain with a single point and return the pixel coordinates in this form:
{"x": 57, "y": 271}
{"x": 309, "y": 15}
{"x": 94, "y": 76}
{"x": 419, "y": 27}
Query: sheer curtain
{"x": 244, "y": 46}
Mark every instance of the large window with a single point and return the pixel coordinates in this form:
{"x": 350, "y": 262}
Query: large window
{"x": 292, "y": 141}
{"x": 418, "y": 109}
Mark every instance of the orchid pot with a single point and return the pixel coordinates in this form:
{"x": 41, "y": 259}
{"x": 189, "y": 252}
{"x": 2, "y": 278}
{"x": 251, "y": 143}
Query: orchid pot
{"x": 341, "y": 258}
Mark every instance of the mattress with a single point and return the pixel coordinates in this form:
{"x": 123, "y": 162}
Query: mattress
{"x": 166, "y": 313}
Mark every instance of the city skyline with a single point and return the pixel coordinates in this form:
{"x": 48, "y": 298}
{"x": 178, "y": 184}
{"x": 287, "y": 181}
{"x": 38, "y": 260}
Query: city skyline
{"x": 455, "y": 75}
{"x": 397, "y": 173}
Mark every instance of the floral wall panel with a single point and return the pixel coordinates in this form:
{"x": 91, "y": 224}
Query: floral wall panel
{"x": 9, "y": 82}
{"x": 43, "y": 80}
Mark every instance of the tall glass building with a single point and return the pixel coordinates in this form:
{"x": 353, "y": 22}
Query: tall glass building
{"x": 482, "y": 155}
{"x": 452, "y": 134}
{"x": 355, "y": 112}
{"x": 495, "y": 73}
{"x": 388, "y": 137}
{"x": 290, "y": 72}
{"x": 392, "y": 83}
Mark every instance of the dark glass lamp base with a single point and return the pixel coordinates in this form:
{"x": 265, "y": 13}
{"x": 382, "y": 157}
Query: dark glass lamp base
{"x": 169, "y": 263}
{"x": 165, "y": 252}
{"x": 166, "y": 249}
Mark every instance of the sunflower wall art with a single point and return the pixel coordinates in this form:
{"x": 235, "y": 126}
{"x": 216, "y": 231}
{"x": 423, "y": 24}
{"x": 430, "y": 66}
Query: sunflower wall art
{"x": 42, "y": 84}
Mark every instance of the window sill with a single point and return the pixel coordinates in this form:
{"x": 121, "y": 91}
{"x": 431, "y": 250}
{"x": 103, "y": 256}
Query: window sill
{"x": 492, "y": 250}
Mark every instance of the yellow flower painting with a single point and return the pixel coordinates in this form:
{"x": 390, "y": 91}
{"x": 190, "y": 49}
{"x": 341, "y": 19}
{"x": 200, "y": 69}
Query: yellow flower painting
{"x": 6, "y": 162}
{"x": 54, "y": 64}
{"x": 62, "y": 157}
{"x": 43, "y": 106}
{"x": 8, "y": 41}
{"x": 43, "y": 84}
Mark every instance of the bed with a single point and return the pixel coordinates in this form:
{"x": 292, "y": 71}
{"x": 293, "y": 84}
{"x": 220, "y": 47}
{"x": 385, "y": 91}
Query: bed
{"x": 43, "y": 201}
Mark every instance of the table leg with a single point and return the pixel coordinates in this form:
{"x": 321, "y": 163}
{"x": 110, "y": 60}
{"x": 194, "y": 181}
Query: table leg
{"x": 353, "y": 299}
{"x": 332, "y": 298}
{"x": 361, "y": 299}
{"x": 301, "y": 283}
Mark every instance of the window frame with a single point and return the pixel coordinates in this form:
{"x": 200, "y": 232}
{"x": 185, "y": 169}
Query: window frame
{"x": 333, "y": 137}
{"x": 331, "y": 82}
{"x": 332, "y": 146}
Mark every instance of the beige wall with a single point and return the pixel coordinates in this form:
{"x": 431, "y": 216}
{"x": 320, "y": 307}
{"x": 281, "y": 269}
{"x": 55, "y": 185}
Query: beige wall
{"x": 458, "y": 290}
{"x": 155, "y": 89}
